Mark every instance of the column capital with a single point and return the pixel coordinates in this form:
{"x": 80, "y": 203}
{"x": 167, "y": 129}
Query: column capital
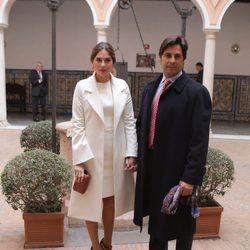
{"x": 210, "y": 33}
{"x": 102, "y": 33}
{"x": 3, "y": 26}
{"x": 101, "y": 27}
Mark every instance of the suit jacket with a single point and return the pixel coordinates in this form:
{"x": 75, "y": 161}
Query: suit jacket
{"x": 200, "y": 76}
{"x": 88, "y": 147}
{"x": 38, "y": 88}
{"x": 180, "y": 149}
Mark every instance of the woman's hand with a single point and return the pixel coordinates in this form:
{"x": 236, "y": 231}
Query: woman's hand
{"x": 79, "y": 172}
{"x": 130, "y": 164}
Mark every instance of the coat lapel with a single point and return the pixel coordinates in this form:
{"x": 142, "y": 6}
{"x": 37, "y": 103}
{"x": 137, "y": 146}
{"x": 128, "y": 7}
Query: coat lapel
{"x": 119, "y": 97}
{"x": 93, "y": 97}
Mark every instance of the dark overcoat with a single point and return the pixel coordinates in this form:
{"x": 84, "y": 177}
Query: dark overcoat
{"x": 180, "y": 149}
{"x": 38, "y": 89}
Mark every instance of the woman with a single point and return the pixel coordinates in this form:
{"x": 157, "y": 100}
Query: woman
{"x": 104, "y": 143}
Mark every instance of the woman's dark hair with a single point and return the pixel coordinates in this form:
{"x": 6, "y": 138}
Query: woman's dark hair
{"x": 103, "y": 46}
{"x": 174, "y": 40}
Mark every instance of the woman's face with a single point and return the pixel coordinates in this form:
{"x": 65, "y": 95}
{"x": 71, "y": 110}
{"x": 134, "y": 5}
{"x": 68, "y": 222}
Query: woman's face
{"x": 102, "y": 66}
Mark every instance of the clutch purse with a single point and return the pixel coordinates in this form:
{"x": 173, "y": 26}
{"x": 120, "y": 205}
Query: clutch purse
{"x": 82, "y": 186}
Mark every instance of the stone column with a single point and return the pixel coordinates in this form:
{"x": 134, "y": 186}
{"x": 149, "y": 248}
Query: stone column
{"x": 102, "y": 33}
{"x": 3, "y": 106}
{"x": 209, "y": 60}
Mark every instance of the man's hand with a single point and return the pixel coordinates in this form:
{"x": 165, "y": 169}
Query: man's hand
{"x": 186, "y": 189}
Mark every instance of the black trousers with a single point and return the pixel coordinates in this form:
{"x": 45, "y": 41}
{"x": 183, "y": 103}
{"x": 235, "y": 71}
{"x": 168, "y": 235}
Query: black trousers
{"x": 183, "y": 243}
{"x": 35, "y": 109}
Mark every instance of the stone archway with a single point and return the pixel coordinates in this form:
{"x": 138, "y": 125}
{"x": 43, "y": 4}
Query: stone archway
{"x": 102, "y": 12}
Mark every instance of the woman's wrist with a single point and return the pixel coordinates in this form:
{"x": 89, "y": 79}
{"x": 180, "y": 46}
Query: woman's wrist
{"x": 81, "y": 165}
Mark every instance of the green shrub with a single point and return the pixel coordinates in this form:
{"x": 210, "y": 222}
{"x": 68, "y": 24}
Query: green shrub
{"x": 39, "y": 135}
{"x": 218, "y": 177}
{"x": 36, "y": 181}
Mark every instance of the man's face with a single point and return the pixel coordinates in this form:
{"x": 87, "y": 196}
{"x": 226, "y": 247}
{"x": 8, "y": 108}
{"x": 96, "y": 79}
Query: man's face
{"x": 172, "y": 60}
{"x": 198, "y": 68}
{"x": 39, "y": 67}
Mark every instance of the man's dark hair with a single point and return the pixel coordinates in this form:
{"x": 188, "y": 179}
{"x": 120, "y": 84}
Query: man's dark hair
{"x": 174, "y": 40}
{"x": 199, "y": 64}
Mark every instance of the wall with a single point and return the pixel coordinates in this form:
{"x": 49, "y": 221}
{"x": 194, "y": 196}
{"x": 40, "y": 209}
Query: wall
{"x": 28, "y": 37}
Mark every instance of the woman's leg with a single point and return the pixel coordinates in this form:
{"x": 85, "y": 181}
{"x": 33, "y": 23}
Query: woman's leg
{"x": 108, "y": 217}
{"x": 93, "y": 234}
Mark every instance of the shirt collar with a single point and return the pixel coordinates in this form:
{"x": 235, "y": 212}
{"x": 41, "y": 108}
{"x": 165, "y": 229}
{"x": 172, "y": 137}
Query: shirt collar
{"x": 172, "y": 79}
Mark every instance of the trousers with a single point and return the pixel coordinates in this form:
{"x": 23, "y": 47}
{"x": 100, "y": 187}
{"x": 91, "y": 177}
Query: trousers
{"x": 35, "y": 102}
{"x": 182, "y": 243}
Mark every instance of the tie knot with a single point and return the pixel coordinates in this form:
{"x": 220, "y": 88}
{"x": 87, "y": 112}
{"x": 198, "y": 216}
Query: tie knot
{"x": 166, "y": 82}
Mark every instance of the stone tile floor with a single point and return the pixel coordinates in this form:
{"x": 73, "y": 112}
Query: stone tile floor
{"x": 235, "y": 226}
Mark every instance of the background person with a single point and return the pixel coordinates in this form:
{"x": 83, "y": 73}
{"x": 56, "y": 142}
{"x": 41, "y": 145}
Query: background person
{"x": 39, "y": 80}
{"x": 172, "y": 147}
{"x": 199, "y": 68}
{"x": 104, "y": 142}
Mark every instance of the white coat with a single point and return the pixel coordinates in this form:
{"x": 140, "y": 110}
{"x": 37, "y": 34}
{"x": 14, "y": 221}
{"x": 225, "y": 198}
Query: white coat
{"x": 88, "y": 147}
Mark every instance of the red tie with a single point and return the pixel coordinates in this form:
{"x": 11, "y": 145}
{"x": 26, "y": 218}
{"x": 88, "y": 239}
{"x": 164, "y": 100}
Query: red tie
{"x": 154, "y": 113}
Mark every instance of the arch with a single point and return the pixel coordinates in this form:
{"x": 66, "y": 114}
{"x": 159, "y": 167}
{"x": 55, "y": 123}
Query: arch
{"x": 212, "y": 12}
{"x": 102, "y": 11}
{"x": 5, "y": 7}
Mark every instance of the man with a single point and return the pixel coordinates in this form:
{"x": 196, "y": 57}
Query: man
{"x": 39, "y": 80}
{"x": 199, "y": 68}
{"x": 172, "y": 147}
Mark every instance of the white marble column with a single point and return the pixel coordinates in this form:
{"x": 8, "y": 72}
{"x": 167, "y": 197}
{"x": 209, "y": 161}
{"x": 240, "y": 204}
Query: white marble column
{"x": 102, "y": 33}
{"x": 3, "y": 108}
{"x": 209, "y": 60}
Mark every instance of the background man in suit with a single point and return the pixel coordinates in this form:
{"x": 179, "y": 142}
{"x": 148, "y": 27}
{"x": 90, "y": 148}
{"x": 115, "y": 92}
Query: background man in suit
{"x": 199, "y": 68}
{"x": 172, "y": 146}
{"x": 39, "y": 80}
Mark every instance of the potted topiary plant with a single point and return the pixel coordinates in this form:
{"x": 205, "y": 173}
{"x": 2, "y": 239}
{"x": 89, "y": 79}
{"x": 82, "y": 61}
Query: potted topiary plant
{"x": 38, "y": 135}
{"x": 36, "y": 182}
{"x": 217, "y": 179}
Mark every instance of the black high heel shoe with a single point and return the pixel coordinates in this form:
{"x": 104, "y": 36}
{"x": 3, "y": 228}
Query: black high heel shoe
{"x": 103, "y": 246}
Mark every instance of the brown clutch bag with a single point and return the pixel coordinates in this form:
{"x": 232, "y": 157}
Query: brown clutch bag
{"x": 82, "y": 186}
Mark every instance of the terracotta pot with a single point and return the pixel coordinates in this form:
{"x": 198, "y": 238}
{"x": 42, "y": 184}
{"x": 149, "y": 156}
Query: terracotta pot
{"x": 44, "y": 229}
{"x": 208, "y": 223}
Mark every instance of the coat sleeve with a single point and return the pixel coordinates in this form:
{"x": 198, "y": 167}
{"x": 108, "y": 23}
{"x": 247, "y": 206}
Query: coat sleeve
{"x": 80, "y": 147}
{"x": 130, "y": 128}
{"x": 199, "y": 136}
{"x": 33, "y": 77}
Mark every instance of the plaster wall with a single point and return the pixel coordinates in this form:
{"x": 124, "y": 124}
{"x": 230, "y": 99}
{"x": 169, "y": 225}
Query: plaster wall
{"x": 28, "y": 38}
